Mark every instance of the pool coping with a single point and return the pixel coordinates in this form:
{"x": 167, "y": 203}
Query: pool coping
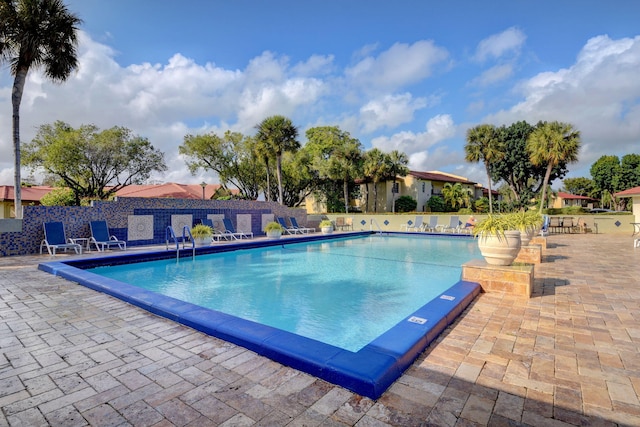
{"x": 369, "y": 371}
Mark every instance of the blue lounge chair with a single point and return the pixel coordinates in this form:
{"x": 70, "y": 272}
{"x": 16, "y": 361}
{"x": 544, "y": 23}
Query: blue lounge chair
{"x": 294, "y": 224}
{"x": 101, "y": 239}
{"x": 55, "y": 238}
{"x": 231, "y": 231}
{"x": 287, "y": 229}
{"x": 217, "y": 235}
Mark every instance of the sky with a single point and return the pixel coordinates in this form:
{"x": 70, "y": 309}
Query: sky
{"x": 411, "y": 75}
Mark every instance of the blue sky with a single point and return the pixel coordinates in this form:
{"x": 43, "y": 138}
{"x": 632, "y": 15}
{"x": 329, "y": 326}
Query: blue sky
{"x": 407, "y": 75}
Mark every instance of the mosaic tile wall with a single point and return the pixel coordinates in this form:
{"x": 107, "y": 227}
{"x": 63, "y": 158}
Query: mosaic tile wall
{"x": 140, "y": 221}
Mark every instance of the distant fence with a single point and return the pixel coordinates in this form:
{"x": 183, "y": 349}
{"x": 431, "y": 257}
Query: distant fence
{"x": 139, "y": 221}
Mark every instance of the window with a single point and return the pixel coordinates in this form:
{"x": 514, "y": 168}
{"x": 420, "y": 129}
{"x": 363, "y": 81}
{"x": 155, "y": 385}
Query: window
{"x": 424, "y": 186}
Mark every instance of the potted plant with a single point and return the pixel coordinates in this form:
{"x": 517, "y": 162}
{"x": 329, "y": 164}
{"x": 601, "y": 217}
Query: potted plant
{"x": 527, "y": 222}
{"x": 498, "y": 240}
{"x": 326, "y": 226}
{"x": 274, "y": 230}
{"x": 202, "y": 234}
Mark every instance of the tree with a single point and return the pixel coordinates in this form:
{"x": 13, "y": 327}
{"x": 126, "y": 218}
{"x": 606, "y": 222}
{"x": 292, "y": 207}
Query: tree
{"x": 484, "y": 145}
{"x": 276, "y": 134}
{"x": 398, "y": 162}
{"x": 35, "y": 33}
{"x": 550, "y": 144}
{"x": 579, "y": 186}
{"x": 376, "y": 168}
{"x": 456, "y": 195}
{"x": 91, "y": 163}
{"x": 232, "y": 156}
{"x": 603, "y": 171}
{"x": 337, "y": 158}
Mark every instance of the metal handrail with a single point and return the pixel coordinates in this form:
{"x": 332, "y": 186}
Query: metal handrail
{"x": 373, "y": 221}
{"x": 186, "y": 231}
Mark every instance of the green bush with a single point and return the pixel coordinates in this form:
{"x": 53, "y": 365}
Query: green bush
{"x": 59, "y": 197}
{"x": 436, "y": 204}
{"x": 406, "y": 204}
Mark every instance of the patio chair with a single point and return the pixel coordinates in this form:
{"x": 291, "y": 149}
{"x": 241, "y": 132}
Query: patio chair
{"x": 288, "y": 229}
{"x": 101, "y": 239}
{"x": 231, "y": 231}
{"x": 340, "y": 223}
{"x": 431, "y": 225}
{"x": 55, "y": 238}
{"x": 294, "y": 224}
{"x": 555, "y": 225}
{"x": 415, "y": 226}
{"x": 453, "y": 227}
{"x": 217, "y": 235}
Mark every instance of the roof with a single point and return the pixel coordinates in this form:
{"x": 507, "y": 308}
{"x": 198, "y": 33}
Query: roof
{"x": 569, "y": 196}
{"x": 170, "y": 190}
{"x": 635, "y": 191}
{"x": 29, "y": 194}
{"x": 440, "y": 176}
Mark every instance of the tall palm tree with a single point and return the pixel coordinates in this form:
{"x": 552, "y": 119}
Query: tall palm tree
{"x": 35, "y": 33}
{"x": 277, "y": 134}
{"x": 484, "y": 145}
{"x": 552, "y": 143}
{"x": 398, "y": 162}
{"x": 376, "y": 169}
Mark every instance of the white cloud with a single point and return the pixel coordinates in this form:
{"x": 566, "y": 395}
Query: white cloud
{"x": 389, "y": 111}
{"x": 494, "y": 74}
{"x": 498, "y": 45}
{"x": 402, "y": 64}
{"x": 438, "y": 128}
{"x": 599, "y": 95}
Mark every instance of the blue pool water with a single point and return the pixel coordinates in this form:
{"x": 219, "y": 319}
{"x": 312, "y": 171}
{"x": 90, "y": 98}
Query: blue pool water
{"x": 368, "y": 371}
{"x": 343, "y": 292}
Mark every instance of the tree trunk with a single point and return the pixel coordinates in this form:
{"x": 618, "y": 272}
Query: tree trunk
{"x": 16, "y": 98}
{"x": 490, "y": 191}
{"x": 375, "y": 196}
{"x": 267, "y": 191}
{"x": 279, "y": 172}
{"x": 345, "y": 189}
{"x": 547, "y": 174}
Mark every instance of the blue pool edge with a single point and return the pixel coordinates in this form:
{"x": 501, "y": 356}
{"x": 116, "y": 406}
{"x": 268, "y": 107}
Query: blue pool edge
{"x": 368, "y": 372}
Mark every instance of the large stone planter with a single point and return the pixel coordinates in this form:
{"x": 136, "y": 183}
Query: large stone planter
{"x": 327, "y": 230}
{"x": 526, "y": 236}
{"x": 203, "y": 241}
{"x": 500, "y": 249}
{"x": 274, "y": 234}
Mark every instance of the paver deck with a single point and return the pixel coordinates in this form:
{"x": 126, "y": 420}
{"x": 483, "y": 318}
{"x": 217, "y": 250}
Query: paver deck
{"x": 570, "y": 355}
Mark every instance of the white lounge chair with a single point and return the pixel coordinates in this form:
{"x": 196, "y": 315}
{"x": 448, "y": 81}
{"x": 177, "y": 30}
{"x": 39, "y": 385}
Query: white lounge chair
{"x": 413, "y": 226}
{"x": 55, "y": 238}
{"x": 453, "y": 227}
{"x": 231, "y": 231}
{"x": 431, "y": 226}
{"x": 287, "y": 229}
{"x": 294, "y": 224}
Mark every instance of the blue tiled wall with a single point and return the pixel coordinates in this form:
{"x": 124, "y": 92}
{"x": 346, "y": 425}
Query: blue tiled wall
{"x": 76, "y": 218}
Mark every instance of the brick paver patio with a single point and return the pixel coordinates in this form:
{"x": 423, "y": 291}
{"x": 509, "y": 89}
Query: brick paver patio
{"x": 568, "y": 356}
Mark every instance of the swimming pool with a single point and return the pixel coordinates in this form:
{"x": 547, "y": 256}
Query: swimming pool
{"x": 368, "y": 367}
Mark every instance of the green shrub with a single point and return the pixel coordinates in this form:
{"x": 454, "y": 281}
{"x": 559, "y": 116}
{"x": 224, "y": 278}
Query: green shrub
{"x": 59, "y": 197}
{"x": 436, "y": 204}
{"x": 406, "y": 204}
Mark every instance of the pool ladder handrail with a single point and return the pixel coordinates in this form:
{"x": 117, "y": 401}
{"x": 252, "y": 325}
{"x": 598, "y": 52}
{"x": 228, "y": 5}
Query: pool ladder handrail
{"x": 373, "y": 221}
{"x": 186, "y": 231}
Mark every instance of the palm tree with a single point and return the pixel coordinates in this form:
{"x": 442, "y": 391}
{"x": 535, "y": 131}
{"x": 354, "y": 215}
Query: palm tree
{"x": 277, "y": 134}
{"x": 375, "y": 168}
{"x": 398, "y": 162}
{"x": 552, "y": 143}
{"x": 456, "y": 195}
{"x": 35, "y": 33}
{"x": 483, "y": 144}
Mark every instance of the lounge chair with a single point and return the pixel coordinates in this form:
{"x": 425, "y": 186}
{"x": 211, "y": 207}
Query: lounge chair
{"x": 217, "y": 235}
{"x": 415, "y": 226}
{"x": 431, "y": 226}
{"x": 287, "y": 229}
{"x": 294, "y": 224}
{"x": 453, "y": 227}
{"x": 546, "y": 221}
{"x": 101, "y": 239}
{"x": 55, "y": 238}
{"x": 231, "y": 231}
